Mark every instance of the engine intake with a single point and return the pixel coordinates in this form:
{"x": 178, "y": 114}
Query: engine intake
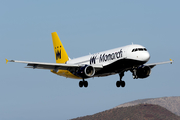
{"x": 143, "y": 72}
{"x": 86, "y": 71}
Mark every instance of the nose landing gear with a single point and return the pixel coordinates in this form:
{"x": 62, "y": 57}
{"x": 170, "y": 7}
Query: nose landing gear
{"x": 134, "y": 71}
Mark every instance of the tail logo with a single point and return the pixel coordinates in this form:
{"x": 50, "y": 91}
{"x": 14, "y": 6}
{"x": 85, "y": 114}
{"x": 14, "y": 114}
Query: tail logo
{"x": 58, "y": 52}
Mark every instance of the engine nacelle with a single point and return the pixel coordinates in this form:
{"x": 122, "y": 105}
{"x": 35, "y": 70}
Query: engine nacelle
{"x": 143, "y": 72}
{"x": 86, "y": 71}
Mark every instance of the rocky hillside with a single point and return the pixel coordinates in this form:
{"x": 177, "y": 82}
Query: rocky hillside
{"x": 170, "y": 103}
{"x": 137, "y": 112}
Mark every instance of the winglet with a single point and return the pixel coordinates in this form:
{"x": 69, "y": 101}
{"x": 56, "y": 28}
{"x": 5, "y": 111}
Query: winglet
{"x": 171, "y": 61}
{"x": 6, "y": 61}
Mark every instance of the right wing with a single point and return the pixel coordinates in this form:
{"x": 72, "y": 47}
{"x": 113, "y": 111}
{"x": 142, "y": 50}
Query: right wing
{"x": 154, "y": 64}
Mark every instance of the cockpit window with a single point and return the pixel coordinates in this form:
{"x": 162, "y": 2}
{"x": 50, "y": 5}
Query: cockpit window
{"x": 139, "y": 49}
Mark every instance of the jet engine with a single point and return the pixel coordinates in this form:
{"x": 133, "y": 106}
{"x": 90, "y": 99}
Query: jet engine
{"x": 143, "y": 72}
{"x": 86, "y": 71}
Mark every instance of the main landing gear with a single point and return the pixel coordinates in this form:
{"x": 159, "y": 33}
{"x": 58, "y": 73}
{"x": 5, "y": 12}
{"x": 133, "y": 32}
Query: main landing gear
{"x": 120, "y": 83}
{"x": 83, "y": 83}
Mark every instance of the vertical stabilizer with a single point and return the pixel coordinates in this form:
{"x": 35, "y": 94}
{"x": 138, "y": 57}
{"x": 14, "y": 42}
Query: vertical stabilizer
{"x": 59, "y": 51}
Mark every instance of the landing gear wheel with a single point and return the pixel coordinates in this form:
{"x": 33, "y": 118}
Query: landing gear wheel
{"x": 123, "y": 84}
{"x": 80, "y": 83}
{"x": 135, "y": 77}
{"x": 118, "y": 83}
{"x": 85, "y": 84}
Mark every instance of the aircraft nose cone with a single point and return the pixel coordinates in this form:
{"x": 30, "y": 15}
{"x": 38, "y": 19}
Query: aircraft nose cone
{"x": 146, "y": 56}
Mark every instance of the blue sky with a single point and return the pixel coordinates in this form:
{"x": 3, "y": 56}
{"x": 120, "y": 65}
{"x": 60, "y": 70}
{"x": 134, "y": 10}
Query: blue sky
{"x": 84, "y": 27}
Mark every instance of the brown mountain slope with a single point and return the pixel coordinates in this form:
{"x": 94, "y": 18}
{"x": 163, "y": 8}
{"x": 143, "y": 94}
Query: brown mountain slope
{"x": 170, "y": 103}
{"x": 137, "y": 112}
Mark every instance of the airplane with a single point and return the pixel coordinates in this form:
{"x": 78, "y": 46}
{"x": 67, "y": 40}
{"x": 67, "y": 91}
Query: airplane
{"x": 115, "y": 61}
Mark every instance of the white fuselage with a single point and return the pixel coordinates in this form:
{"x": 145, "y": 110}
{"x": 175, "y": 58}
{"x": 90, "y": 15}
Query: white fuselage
{"x": 110, "y": 56}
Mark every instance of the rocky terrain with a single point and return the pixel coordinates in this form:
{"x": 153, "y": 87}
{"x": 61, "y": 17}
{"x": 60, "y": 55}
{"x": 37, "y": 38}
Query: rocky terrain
{"x": 170, "y": 103}
{"x": 137, "y": 112}
{"x": 165, "y": 108}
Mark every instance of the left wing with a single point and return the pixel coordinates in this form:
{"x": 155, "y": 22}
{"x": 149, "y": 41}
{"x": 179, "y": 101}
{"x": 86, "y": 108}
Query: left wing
{"x": 154, "y": 64}
{"x": 52, "y": 66}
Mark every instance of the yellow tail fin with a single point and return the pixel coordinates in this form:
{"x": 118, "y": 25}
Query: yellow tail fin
{"x": 59, "y": 51}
